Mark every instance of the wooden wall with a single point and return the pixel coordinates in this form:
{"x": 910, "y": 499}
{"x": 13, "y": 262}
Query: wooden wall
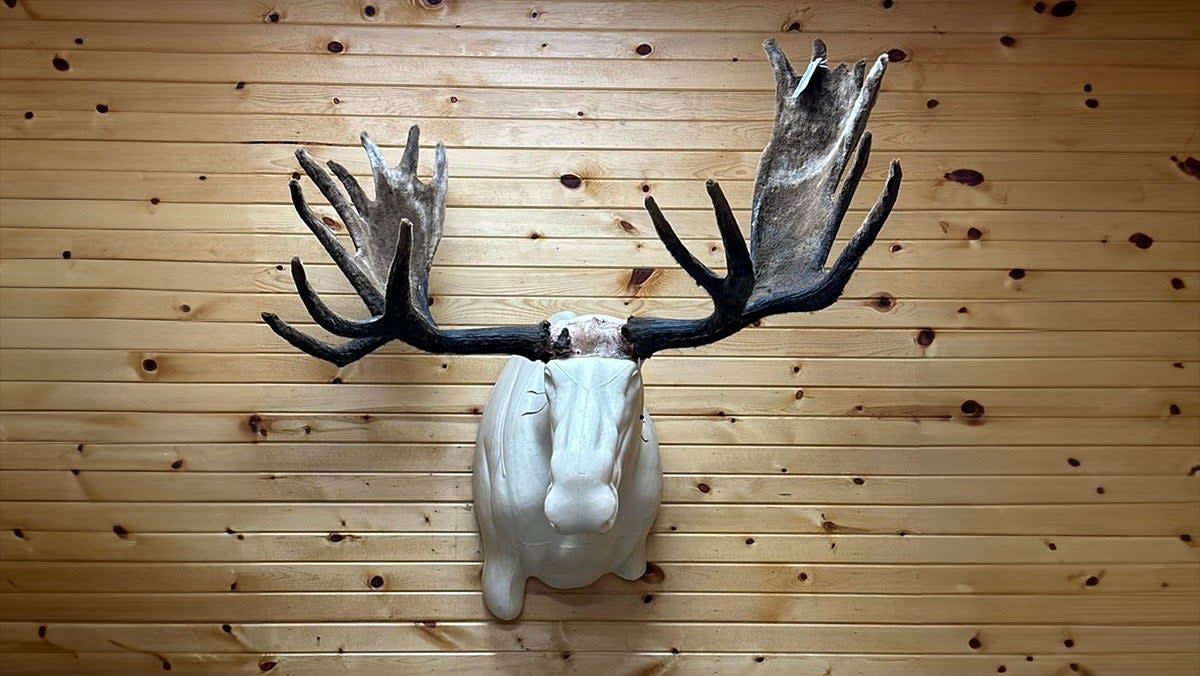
{"x": 982, "y": 460}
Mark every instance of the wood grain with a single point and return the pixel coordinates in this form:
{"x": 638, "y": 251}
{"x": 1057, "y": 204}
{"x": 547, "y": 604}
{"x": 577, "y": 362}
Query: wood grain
{"x": 984, "y": 458}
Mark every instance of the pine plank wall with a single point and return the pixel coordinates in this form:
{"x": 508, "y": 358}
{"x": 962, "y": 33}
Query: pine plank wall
{"x": 983, "y": 459}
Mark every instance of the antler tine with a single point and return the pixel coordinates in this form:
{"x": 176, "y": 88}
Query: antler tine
{"x": 378, "y": 164}
{"x": 345, "y": 262}
{"x": 401, "y": 317}
{"x": 785, "y": 75}
{"x": 325, "y": 184}
{"x": 339, "y": 355}
{"x": 739, "y": 267}
{"x": 440, "y": 175}
{"x": 848, "y": 260}
{"x": 408, "y": 161}
{"x": 868, "y": 92}
{"x": 357, "y": 196}
{"x": 841, "y": 203}
{"x": 323, "y": 315}
{"x": 698, "y": 271}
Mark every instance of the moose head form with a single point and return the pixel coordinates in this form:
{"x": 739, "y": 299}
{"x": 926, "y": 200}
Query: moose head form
{"x": 566, "y": 471}
{"x": 595, "y": 409}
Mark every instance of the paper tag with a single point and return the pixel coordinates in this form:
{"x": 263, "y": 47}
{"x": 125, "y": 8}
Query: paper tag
{"x": 808, "y": 75}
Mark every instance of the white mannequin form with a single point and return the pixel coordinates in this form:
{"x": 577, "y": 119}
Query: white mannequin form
{"x": 567, "y": 475}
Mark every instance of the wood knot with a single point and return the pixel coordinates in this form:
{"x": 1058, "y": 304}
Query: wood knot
{"x": 653, "y": 574}
{"x": 571, "y": 181}
{"x": 257, "y": 428}
{"x": 964, "y": 176}
{"x": 925, "y": 337}
{"x": 703, "y": 487}
{"x": 1189, "y": 166}
{"x": 1008, "y": 40}
{"x": 974, "y": 234}
{"x": 643, "y": 49}
{"x": 896, "y": 55}
{"x": 639, "y": 276}
{"x": 120, "y": 531}
{"x": 1141, "y": 240}
{"x": 1064, "y": 8}
{"x": 1017, "y": 273}
{"x": 376, "y": 581}
{"x": 883, "y": 301}
{"x": 60, "y": 63}
{"x": 932, "y": 103}
{"x": 972, "y": 408}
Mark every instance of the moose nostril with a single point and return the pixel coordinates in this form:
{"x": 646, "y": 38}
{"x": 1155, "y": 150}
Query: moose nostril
{"x": 573, "y": 507}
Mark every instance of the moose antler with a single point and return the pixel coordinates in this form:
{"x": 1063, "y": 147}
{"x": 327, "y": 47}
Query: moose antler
{"x": 800, "y": 199}
{"x": 395, "y": 237}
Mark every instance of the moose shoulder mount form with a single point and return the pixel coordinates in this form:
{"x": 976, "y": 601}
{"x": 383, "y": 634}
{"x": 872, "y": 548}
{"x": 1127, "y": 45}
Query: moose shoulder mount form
{"x": 567, "y": 476}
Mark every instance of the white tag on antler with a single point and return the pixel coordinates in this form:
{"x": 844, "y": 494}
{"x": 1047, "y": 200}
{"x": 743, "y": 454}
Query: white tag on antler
{"x": 808, "y": 74}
